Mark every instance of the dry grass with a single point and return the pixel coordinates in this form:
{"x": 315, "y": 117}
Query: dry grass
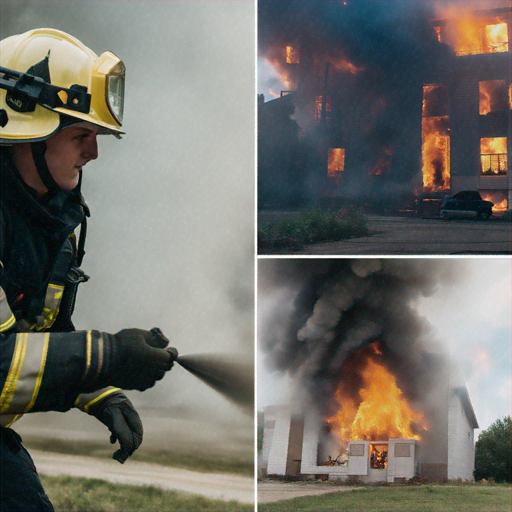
{"x": 91, "y": 495}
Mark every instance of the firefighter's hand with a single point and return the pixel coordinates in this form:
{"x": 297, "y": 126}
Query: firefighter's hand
{"x": 118, "y": 414}
{"x": 136, "y": 359}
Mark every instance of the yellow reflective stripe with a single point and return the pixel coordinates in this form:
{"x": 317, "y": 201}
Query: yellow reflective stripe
{"x": 88, "y": 352}
{"x": 7, "y": 325}
{"x": 100, "y": 397}
{"x": 39, "y": 377}
{"x": 16, "y": 417}
{"x": 7, "y": 318}
{"x": 22, "y": 394}
{"x": 11, "y": 382}
{"x": 50, "y": 311}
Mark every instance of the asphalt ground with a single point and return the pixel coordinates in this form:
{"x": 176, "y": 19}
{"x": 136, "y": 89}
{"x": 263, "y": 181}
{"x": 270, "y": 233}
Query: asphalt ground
{"x": 403, "y": 235}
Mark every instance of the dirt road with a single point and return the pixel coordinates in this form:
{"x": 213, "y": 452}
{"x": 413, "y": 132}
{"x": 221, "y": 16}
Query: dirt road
{"x": 276, "y": 491}
{"x": 212, "y": 485}
{"x": 414, "y": 236}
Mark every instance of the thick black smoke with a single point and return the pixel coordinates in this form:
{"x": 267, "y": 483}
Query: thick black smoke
{"x": 380, "y": 53}
{"x": 317, "y": 314}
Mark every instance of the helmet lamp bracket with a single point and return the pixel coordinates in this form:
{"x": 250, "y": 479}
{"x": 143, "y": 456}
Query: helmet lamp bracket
{"x": 25, "y": 91}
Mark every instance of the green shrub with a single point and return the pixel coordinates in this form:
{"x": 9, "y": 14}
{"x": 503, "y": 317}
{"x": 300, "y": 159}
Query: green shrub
{"x": 313, "y": 226}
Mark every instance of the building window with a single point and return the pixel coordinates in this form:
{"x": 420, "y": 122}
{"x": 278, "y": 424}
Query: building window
{"x": 436, "y": 138}
{"x": 402, "y": 450}
{"x": 496, "y": 38}
{"x": 378, "y": 456}
{"x": 494, "y": 96}
{"x": 436, "y": 101}
{"x": 319, "y": 106}
{"x": 471, "y": 35}
{"x": 335, "y": 162}
{"x": 439, "y": 34}
{"x": 292, "y": 55}
{"x": 493, "y": 153}
{"x": 356, "y": 450}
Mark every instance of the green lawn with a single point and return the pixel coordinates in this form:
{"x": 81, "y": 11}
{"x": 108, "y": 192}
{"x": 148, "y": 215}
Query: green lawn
{"x": 425, "y": 498}
{"x": 90, "y": 495}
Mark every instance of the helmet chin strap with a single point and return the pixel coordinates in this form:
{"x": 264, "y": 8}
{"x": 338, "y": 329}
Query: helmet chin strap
{"x": 38, "y": 152}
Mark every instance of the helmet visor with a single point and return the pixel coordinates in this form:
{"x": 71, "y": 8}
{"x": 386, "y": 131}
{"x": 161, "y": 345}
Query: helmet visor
{"x": 115, "y": 91}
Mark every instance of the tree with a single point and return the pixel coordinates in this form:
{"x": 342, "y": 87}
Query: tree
{"x": 493, "y": 452}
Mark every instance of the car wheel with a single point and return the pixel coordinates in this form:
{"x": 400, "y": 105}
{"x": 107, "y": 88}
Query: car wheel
{"x": 484, "y": 215}
{"x": 443, "y": 215}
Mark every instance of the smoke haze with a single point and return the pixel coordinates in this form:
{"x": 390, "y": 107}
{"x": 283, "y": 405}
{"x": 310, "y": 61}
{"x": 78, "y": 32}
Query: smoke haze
{"x": 170, "y": 241}
{"x": 371, "y": 58}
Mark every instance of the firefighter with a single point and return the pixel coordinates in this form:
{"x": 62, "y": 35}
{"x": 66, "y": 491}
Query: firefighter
{"x": 56, "y": 97}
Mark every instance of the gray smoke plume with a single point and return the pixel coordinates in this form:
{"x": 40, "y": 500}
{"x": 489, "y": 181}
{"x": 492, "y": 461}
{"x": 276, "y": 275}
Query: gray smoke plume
{"x": 317, "y": 317}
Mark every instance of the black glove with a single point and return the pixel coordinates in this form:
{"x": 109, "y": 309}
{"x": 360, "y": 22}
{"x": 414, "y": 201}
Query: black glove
{"x": 118, "y": 414}
{"x": 132, "y": 359}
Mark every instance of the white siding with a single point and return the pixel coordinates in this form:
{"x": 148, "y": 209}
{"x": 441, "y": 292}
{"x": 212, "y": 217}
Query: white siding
{"x": 401, "y": 462}
{"x": 461, "y": 447}
{"x": 358, "y": 464}
{"x": 275, "y": 440}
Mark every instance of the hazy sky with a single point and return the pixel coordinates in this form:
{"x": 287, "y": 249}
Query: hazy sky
{"x": 470, "y": 318}
{"x": 170, "y": 240}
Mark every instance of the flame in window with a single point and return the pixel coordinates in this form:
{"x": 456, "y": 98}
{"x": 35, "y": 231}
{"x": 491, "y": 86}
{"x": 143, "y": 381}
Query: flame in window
{"x": 335, "y": 162}
{"x": 493, "y": 152}
{"x": 436, "y": 153}
{"x": 292, "y": 55}
{"x": 469, "y": 34}
{"x": 318, "y": 107}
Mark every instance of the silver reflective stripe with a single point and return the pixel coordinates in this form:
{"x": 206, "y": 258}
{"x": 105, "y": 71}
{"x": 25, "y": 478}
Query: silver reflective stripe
{"x": 26, "y": 373}
{"x": 7, "y": 319}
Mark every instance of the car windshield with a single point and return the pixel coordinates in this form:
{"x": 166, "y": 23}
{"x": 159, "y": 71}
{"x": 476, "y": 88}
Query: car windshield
{"x": 468, "y": 195}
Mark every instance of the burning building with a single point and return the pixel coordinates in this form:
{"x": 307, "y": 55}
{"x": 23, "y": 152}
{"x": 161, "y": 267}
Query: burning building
{"x": 379, "y": 439}
{"x": 395, "y": 101}
{"x": 375, "y": 398}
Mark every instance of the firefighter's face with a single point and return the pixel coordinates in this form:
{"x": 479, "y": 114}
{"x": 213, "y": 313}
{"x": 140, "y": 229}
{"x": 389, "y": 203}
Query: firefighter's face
{"x": 68, "y": 151}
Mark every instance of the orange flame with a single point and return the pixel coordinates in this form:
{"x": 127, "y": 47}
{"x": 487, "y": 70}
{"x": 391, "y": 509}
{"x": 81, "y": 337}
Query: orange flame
{"x": 469, "y": 34}
{"x": 494, "y": 158}
{"x": 292, "y": 55}
{"x": 335, "y": 162}
{"x": 500, "y": 202}
{"x": 436, "y": 154}
{"x": 382, "y": 413}
{"x": 496, "y": 37}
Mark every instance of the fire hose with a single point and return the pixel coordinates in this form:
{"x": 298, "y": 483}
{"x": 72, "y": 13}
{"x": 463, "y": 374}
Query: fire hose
{"x": 226, "y": 374}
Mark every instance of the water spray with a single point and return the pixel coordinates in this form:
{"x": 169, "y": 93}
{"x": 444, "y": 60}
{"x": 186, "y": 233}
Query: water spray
{"x": 225, "y": 373}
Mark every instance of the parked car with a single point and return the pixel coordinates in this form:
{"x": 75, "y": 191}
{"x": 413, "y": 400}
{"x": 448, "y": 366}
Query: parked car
{"x": 467, "y": 203}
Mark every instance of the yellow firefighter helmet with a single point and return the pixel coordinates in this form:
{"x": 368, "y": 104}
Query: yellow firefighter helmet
{"x": 46, "y": 73}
